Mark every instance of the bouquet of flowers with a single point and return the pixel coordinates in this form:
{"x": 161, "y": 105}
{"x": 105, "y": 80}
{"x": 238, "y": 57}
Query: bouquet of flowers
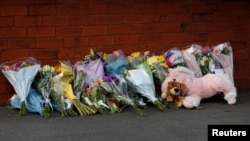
{"x": 42, "y": 83}
{"x": 189, "y": 55}
{"x": 174, "y": 58}
{"x": 63, "y": 105}
{"x": 158, "y": 67}
{"x": 34, "y": 102}
{"x": 116, "y": 63}
{"x": 94, "y": 96}
{"x": 94, "y": 70}
{"x": 21, "y": 73}
{"x": 140, "y": 69}
{"x": 223, "y": 53}
{"x": 205, "y": 60}
{"x": 117, "y": 85}
{"x": 67, "y": 78}
{"x": 140, "y": 82}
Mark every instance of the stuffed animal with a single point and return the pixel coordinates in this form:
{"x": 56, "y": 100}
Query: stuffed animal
{"x": 174, "y": 93}
{"x": 202, "y": 87}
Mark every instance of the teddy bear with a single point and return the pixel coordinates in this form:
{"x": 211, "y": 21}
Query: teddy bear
{"x": 174, "y": 93}
{"x": 198, "y": 88}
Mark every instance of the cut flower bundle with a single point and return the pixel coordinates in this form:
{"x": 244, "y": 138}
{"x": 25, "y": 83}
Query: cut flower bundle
{"x": 107, "y": 83}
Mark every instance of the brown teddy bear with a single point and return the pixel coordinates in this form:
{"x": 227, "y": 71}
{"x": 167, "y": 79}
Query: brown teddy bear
{"x": 174, "y": 93}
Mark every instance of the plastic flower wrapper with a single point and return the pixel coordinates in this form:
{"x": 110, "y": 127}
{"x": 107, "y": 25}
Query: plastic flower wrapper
{"x": 67, "y": 78}
{"x": 224, "y": 54}
{"x": 61, "y": 104}
{"x": 33, "y": 102}
{"x": 21, "y": 73}
{"x": 95, "y": 97}
{"x": 42, "y": 83}
{"x": 139, "y": 61}
{"x": 158, "y": 67}
{"x": 117, "y": 85}
{"x": 94, "y": 70}
{"x": 79, "y": 79}
{"x": 174, "y": 58}
{"x": 190, "y": 59}
{"x": 116, "y": 63}
{"x": 140, "y": 82}
{"x": 205, "y": 60}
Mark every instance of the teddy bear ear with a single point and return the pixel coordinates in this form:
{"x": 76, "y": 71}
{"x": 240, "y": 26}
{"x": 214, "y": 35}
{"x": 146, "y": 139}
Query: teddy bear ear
{"x": 183, "y": 86}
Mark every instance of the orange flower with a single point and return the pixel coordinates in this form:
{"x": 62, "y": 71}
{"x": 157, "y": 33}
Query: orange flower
{"x": 58, "y": 68}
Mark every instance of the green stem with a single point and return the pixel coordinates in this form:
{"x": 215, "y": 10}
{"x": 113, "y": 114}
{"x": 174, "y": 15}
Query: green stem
{"x": 138, "y": 110}
{"x": 23, "y": 111}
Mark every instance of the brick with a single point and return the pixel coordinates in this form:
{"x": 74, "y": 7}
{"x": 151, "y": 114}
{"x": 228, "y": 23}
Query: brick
{"x": 82, "y": 20}
{"x": 27, "y": 20}
{"x": 201, "y": 17}
{"x": 49, "y": 43}
{"x": 4, "y": 99}
{"x": 13, "y": 10}
{"x": 55, "y": 20}
{"x": 240, "y": 55}
{"x": 108, "y": 19}
{"x": 236, "y": 6}
{"x": 21, "y": 43}
{"x": 76, "y": 2}
{"x": 231, "y": 16}
{"x": 173, "y": 37}
{"x": 3, "y": 79}
{"x": 76, "y": 41}
{"x": 12, "y": 32}
{"x": 120, "y": 29}
{"x": 150, "y": 38}
{"x": 218, "y": 36}
{"x": 242, "y": 74}
{"x": 144, "y": 28}
{"x": 94, "y": 30}
{"x": 2, "y": 44}
{"x": 41, "y": 32}
{"x": 238, "y": 45}
{"x": 177, "y": 17}
{"x": 242, "y": 83}
{"x": 145, "y": 8}
{"x": 167, "y": 27}
{"x": 69, "y": 10}
{"x": 96, "y": 9}
{"x": 138, "y": 18}
{"x": 196, "y": 37}
{"x": 120, "y": 8}
{"x": 13, "y": 54}
{"x": 101, "y": 40}
{"x": 44, "y": 53}
{"x": 128, "y": 49}
{"x": 197, "y": 27}
{"x": 127, "y": 39}
{"x": 68, "y": 31}
{"x": 238, "y": 36}
{"x": 67, "y": 53}
{"x": 200, "y": 7}
{"x": 6, "y": 21}
{"x": 40, "y": 10}
{"x": 24, "y": 2}
{"x": 166, "y": 7}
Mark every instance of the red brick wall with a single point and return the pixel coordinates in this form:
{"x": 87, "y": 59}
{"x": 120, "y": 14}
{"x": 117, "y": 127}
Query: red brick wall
{"x": 52, "y": 30}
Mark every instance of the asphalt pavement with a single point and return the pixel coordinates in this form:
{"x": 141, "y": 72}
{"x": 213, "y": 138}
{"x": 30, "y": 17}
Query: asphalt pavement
{"x": 172, "y": 125}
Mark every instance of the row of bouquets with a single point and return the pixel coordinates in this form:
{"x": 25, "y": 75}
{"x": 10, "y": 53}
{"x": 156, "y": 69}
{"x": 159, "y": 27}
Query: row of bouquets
{"x": 107, "y": 82}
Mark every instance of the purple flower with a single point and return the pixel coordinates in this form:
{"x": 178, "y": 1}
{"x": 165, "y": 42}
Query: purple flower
{"x": 110, "y": 78}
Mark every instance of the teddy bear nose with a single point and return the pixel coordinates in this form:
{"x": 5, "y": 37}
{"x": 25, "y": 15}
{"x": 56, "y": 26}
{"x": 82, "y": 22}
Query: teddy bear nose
{"x": 176, "y": 90}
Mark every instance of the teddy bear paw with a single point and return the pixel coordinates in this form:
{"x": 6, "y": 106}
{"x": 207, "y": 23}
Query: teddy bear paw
{"x": 189, "y": 102}
{"x": 231, "y": 100}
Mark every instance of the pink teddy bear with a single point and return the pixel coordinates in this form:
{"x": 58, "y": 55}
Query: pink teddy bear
{"x": 201, "y": 88}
